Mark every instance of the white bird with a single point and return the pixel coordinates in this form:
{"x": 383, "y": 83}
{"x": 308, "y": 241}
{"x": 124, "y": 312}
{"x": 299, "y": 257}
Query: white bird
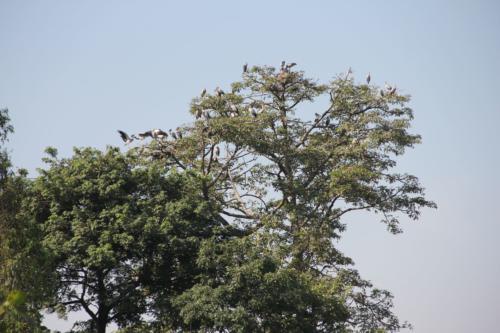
{"x": 158, "y": 134}
{"x": 203, "y": 92}
{"x": 127, "y": 139}
{"x": 368, "y": 78}
{"x": 233, "y": 108}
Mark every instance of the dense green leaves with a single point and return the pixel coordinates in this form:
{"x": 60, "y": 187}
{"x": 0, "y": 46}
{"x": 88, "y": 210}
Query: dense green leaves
{"x": 123, "y": 234}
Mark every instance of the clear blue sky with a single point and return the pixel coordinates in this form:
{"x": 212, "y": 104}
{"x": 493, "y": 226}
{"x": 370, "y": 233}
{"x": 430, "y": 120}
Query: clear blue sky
{"x": 72, "y": 72}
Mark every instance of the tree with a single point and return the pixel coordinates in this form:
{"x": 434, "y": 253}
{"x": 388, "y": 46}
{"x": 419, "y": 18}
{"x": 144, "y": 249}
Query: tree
{"x": 121, "y": 232}
{"x": 23, "y": 277}
{"x": 288, "y": 180}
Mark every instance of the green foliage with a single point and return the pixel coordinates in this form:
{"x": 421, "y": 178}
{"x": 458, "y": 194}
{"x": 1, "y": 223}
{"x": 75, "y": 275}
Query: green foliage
{"x": 123, "y": 234}
{"x": 287, "y": 180}
{"x": 23, "y": 286}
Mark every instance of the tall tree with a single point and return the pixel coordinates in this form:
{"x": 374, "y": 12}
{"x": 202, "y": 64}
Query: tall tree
{"x": 288, "y": 177}
{"x": 121, "y": 232}
{"x": 24, "y": 285}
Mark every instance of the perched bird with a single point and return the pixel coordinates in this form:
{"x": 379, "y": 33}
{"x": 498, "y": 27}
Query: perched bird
{"x": 158, "y": 134}
{"x": 368, "y": 78}
{"x": 327, "y": 122}
{"x": 127, "y": 139}
{"x": 349, "y": 72}
{"x": 233, "y": 108}
{"x": 199, "y": 113}
{"x": 283, "y": 64}
{"x": 144, "y": 135}
{"x": 203, "y": 92}
{"x": 316, "y": 117}
{"x": 217, "y": 151}
{"x": 245, "y": 68}
{"x": 291, "y": 65}
{"x": 219, "y": 91}
{"x": 179, "y": 133}
{"x": 393, "y": 91}
{"x": 172, "y": 134}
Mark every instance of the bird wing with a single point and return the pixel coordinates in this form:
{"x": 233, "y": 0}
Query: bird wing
{"x": 124, "y": 136}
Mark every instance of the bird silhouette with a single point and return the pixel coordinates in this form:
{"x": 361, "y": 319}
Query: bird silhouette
{"x": 348, "y": 73}
{"x": 368, "y": 78}
{"x": 144, "y": 135}
{"x": 203, "y": 92}
{"x": 245, "y": 68}
{"x": 125, "y": 137}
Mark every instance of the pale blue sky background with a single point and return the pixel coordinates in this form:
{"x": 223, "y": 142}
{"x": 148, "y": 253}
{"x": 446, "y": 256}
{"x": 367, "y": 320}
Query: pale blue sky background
{"x": 72, "y": 72}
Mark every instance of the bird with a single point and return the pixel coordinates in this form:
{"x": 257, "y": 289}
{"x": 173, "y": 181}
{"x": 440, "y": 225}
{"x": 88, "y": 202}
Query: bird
{"x": 245, "y": 68}
{"x": 368, "y": 78}
{"x": 179, "y": 133}
{"x": 316, "y": 117}
{"x": 199, "y": 113}
{"x": 219, "y": 91}
{"x": 382, "y": 93}
{"x": 393, "y": 91}
{"x": 158, "y": 134}
{"x": 203, "y": 92}
{"x": 172, "y": 134}
{"x": 217, "y": 151}
{"x": 349, "y": 72}
{"x": 291, "y": 65}
{"x": 127, "y": 139}
{"x": 283, "y": 63}
{"x": 144, "y": 135}
{"x": 388, "y": 87}
{"x": 327, "y": 122}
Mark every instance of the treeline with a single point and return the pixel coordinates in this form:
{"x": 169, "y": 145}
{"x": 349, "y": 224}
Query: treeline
{"x": 226, "y": 224}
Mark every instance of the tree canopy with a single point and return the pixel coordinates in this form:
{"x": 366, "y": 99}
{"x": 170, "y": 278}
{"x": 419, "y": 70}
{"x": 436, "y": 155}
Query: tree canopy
{"x": 287, "y": 178}
{"x": 123, "y": 235}
{"x": 228, "y": 223}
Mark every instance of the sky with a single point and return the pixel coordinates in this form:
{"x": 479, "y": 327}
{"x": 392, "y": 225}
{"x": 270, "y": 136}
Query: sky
{"x": 73, "y": 72}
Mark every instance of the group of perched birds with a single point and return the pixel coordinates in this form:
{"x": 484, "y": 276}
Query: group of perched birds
{"x": 156, "y": 134}
{"x": 388, "y": 88}
{"x": 234, "y": 111}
